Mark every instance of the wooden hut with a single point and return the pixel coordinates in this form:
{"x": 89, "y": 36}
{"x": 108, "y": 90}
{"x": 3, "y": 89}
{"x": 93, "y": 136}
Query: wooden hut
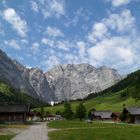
{"x": 13, "y": 113}
{"x": 132, "y": 114}
{"x": 102, "y": 115}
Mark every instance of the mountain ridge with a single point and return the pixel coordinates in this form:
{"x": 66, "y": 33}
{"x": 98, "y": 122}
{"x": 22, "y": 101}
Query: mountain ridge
{"x": 63, "y": 82}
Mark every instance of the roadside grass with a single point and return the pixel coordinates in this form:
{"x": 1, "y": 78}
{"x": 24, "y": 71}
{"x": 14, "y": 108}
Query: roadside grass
{"x": 80, "y": 130}
{"x": 20, "y": 126}
{"x": 6, "y": 130}
{"x": 6, "y": 137}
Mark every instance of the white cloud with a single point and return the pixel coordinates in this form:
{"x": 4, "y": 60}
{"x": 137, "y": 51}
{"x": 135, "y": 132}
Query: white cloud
{"x": 117, "y": 3}
{"x": 50, "y": 8}
{"x": 80, "y": 14}
{"x": 117, "y": 45}
{"x": 50, "y": 62}
{"x": 121, "y": 22}
{"x": 15, "y": 20}
{"x": 13, "y": 44}
{"x": 54, "y": 32}
{"x": 82, "y": 48}
{"x": 34, "y": 6}
{"x": 48, "y": 42}
{"x": 126, "y": 54}
{"x": 99, "y": 31}
{"x": 63, "y": 45}
{"x": 35, "y": 48}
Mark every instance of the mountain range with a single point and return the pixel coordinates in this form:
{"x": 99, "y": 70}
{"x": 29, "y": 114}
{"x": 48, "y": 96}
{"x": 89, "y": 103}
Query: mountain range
{"x": 62, "y": 82}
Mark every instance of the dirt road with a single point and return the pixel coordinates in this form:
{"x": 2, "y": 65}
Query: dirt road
{"x": 35, "y": 132}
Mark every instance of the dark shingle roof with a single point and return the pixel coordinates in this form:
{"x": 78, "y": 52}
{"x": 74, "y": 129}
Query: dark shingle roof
{"x": 103, "y": 114}
{"x": 133, "y": 110}
{"x": 14, "y": 108}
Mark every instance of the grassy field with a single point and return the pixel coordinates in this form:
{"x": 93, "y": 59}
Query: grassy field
{"x": 76, "y": 130}
{"x": 107, "y": 102}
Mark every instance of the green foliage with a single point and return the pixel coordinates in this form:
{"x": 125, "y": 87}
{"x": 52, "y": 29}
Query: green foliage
{"x": 90, "y": 116}
{"x": 10, "y": 95}
{"x": 122, "y": 117}
{"x": 42, "y": 112}
{"x": 47, "y": 113}
{"x": 58, "y": 113}
{"x": 68, "y": 113}
{"x": 81, "y": 111}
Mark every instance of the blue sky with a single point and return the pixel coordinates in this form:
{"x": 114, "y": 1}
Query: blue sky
{"x": 44, "y": 33}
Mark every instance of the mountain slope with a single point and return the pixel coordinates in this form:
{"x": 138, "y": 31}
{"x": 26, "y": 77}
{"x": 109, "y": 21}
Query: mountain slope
{"x": 63, "y": 82}
{"x": 76, "y": 81}
{"x": 30, "y": 81}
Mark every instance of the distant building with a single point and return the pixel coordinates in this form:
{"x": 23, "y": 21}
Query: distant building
{"x": 51, "y": 117}
{"x": 102, "y": 115}
{"x": 34, "y": 116}
{"x": 132, "y": 114}
{"x": 13, "y": 113}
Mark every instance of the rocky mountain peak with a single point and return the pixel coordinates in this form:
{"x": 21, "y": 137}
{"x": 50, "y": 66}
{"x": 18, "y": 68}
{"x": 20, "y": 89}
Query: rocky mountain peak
{"x": 74, "y": 81}
{"x": 63, "y": 82}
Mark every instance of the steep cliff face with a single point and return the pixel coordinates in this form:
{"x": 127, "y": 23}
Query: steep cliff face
{"x": 38, "y": 80}
{"x": 31, "y": 81}
{"x": 76, "y": 81}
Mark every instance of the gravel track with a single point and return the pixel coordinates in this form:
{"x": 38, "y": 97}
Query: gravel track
{"x": 35, "y": 132}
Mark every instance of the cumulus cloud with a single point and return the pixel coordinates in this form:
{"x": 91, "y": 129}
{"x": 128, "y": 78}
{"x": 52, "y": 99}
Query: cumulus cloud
{"x": 63, "y": 45}
{"x": 80, "y": 14}
{"x": 34, "y": 6}
{"x": 99, "y": 31}
{"x": 15, "y": 20}
{"x": 117, "y": 3}
{"x": 35, "y": 48}
{"x": 118, "y": 43}
{"x": 50, "y": 61}
{"x": 13, "y": 44}
{"x": 120, "y": 23}
{"x": 54, "y": 32}
{"x": 48, "y": 42}
{"x": 81, "y": 48}
{"x": 49, "y": 8}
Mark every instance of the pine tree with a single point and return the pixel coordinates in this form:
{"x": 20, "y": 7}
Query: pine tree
{"x": 81, "y": 111}
{"x": 68, "y": 113}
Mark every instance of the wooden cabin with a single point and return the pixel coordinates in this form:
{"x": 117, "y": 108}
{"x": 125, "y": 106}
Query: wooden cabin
{"x": 132, "y": 115}
{"x": 13, "y": 113}
{"x": 102, "y": 115}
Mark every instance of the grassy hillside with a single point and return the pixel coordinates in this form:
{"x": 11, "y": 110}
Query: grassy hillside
{"x": 107, "y": 102}
{"x": 126, "y": 92}
{"x": 11, "y": 95}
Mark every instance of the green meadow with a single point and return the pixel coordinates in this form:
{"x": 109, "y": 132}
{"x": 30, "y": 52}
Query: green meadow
{"x": 81, "y": 130}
